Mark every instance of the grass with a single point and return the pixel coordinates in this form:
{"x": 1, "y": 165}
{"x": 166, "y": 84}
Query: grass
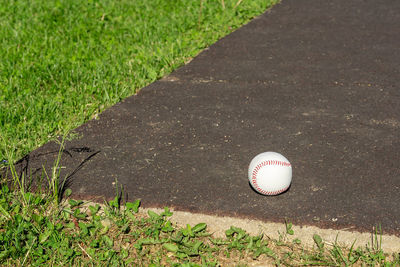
{"x": 36, "y": 229}
{"x": 64, "y": 61}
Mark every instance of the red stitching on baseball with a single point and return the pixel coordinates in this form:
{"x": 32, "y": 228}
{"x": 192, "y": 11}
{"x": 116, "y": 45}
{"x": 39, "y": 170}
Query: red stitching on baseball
{"x": 271, "y": 192}
{"x": 265, "y": 163}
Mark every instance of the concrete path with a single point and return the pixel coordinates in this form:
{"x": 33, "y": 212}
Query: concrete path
{"x": 317, "y": 81}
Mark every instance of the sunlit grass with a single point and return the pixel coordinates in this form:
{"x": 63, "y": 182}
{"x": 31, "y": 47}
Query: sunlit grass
{"x": 63, "y": 61}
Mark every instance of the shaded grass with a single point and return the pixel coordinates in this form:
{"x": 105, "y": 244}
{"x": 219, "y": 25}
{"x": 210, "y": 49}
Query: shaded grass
{"x": 64, "y": 61}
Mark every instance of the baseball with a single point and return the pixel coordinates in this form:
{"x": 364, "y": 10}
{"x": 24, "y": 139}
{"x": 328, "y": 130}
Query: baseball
{"x": 270, "y": 173}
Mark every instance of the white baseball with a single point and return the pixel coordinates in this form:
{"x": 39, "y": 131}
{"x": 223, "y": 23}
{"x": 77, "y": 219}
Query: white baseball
{"x": 270, "y": 173}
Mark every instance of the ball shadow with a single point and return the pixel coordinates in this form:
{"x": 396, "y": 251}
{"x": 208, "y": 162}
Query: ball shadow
{"x": 269, "y": 195}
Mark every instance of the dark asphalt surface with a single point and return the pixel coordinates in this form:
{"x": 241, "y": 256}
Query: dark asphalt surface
{"x": 317, "y": 81}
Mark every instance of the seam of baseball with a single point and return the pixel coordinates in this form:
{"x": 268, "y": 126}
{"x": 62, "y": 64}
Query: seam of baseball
{"x": 268, "y": 163}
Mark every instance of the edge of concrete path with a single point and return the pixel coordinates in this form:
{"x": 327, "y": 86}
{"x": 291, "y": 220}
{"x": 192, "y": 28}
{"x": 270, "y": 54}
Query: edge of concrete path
{"x": 218, "y": 225}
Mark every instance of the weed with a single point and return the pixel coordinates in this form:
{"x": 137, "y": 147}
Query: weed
{"x": 79, "y": 233}
{"x": 289, "y": 229}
